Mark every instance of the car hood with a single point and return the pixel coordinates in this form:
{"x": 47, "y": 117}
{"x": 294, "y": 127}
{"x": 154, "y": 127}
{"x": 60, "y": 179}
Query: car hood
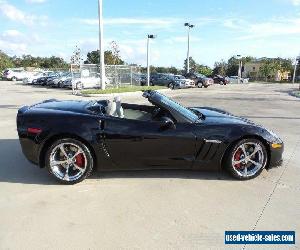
{"x": 214, "y": 115}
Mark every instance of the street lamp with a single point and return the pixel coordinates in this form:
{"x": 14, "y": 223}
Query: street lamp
{"x": 240, "y": 68}
{"x": 148, "y": 57}
{"x": 297, "y": 60}
{"x": 101, "y": 47}
{"x": 190, "y": 26}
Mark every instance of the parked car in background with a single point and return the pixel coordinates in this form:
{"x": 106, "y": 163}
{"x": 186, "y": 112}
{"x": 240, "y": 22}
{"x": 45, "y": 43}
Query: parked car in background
{"x": 53, "y": 81}
{"x": 161, "y": 79}
{"x": 200, "y": 80}
{"x": 79, "y": 82}
{"x": 182, "y": 82}
{"x": 43, "y": 80}
{"x": 86, "y": 82}
{"x": 143, "y": 80}
{"x": 33, "y": 78}
{"x": 15, "y": 74}
{"x": 58, "y": 81}
{"x": 221, "y": 80}
{"x": 237, "y": 79}
{"x": 67, "y": 83}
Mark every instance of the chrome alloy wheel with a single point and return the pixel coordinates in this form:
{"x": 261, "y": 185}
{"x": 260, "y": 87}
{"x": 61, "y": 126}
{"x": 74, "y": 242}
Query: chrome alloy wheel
{"x": 248, "y": 159}
{"x": 68, "y": 162}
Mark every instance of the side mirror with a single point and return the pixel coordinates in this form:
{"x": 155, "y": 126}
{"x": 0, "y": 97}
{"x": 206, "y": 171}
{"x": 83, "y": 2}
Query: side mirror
{"x": 167, "y": 123}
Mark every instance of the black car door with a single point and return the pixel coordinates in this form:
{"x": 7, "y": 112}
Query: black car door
{"x": 135, "y": 144}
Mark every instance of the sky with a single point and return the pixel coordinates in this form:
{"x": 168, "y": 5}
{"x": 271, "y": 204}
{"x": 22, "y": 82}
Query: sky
{"x": 223, "y": 28}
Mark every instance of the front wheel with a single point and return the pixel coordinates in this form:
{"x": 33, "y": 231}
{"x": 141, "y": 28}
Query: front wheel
{"x": 69, "y": 161}
{"x": 247, "y": 159}
{"x": 199, "y": 84}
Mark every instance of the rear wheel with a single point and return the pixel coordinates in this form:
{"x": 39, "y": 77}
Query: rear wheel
{"x": 199, "y": 84}
{"x": 171, "y": 86}
{"x": 79, "y": 85}
{"x": 69, "y": 161}
{"x": 247, "y": 159}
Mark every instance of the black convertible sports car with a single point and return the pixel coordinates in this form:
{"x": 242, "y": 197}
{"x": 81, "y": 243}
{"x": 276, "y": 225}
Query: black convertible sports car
{"x": 71, "y": 138}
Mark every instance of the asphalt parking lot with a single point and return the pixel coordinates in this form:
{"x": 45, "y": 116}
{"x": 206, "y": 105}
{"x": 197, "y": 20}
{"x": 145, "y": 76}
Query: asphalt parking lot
{"x": 150, "y": 209}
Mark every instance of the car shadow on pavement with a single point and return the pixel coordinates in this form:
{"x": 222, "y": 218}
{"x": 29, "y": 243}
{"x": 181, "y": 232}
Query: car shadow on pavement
{"x": 15, "y": 168}
{"x": 161, "y": 174}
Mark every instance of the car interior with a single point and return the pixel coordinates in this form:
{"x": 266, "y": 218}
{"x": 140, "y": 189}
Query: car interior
{"x": 132, "y": 111}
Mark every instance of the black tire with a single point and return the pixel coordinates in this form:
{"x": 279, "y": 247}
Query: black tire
{"x": 171, "y": 86}
{"x": 79, "y": 86}
{"x": 14, "y": 78}
{"x": 199, "y": 84}
{"x": 88, "y": 156}
{"x": 229, "y": 157}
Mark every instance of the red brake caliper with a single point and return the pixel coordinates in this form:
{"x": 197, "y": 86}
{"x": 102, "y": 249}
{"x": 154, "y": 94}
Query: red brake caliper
{"x": 237, "y": 157}
{"x": 79, "y": 159}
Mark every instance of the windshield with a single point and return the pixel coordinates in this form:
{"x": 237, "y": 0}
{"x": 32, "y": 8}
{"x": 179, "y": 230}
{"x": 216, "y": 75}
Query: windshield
{"x": 187, "y": 113}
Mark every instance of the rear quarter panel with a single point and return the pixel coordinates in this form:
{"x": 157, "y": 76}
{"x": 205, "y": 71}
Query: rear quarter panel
{"x": 55, "y": 124}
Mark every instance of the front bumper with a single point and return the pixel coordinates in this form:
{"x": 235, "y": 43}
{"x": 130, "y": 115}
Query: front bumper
{"x": 276, "y": 156}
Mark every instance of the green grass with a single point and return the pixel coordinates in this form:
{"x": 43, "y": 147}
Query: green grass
{"x": 121, "y": 90}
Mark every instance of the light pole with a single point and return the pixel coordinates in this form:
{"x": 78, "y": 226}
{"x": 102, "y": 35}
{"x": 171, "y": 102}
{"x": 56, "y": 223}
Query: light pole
{"x": 190, "y": 26}
{"x": 101, "y": 47}
{"x": 148, "y": 57}
{"x": 240, "y": 69}
{"x": 297, "y": 60}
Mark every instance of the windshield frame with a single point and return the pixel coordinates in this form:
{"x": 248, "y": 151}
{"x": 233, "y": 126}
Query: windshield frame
{"x": 179, "y": 112}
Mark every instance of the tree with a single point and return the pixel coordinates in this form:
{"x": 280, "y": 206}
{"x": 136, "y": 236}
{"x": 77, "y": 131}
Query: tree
{"x": 76, "y": 57}
{"x": 116, "y": 58}
{"x": 5, "y": 61}
{"x": 111, "y": 57}
{"x": 232, "y": 66}
{"x": 286, "y": 65}
{"x": 195, "y": 67}
{"x": 203, "y": 69}
{"x": 192, "y": 65}
{"x": 220, "y": 68}
{"x": 174, "y": 70}
{"x": 93, "y": 57}
{"x": 267, "y": 68}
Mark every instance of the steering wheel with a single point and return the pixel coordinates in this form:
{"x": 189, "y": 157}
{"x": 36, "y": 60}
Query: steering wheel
{"x": 155, "y": 112}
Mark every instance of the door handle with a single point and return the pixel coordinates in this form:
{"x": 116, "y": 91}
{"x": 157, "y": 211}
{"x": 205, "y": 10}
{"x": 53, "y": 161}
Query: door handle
{"x": 101, "y": 125}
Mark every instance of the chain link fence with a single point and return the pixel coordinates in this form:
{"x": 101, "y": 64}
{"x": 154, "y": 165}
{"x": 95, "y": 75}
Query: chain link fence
{"x": 116, "y": 75}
